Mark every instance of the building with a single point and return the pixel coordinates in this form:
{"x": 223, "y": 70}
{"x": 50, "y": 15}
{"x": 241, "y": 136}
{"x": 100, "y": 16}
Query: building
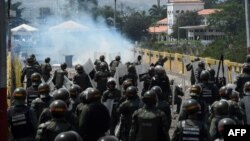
{"x": 177, "y": 7}
{"x": 159, "y": 29}
{"x": 205, "y": 33}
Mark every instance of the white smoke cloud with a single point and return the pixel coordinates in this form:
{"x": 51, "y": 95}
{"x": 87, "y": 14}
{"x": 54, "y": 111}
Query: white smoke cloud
{"x": 99, "y": 39}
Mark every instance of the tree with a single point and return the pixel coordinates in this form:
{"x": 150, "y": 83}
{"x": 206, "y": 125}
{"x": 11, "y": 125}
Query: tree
{"x": 136, "y": 25}
{"x": 231, "y": 18}
{"x": 210, "y": 3}
{"x": 185, "y": 19}
{"x": 158, "y": 12}
{"x": 87, "y": 5}
{"x": 16, "y": 20}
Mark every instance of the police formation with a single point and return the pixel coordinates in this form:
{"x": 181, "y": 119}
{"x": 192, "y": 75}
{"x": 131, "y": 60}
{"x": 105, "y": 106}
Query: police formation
{"x": 110, "y": 113}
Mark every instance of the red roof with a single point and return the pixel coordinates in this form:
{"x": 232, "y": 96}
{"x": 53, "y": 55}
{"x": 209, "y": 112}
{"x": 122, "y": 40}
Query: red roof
{"x": 163, "y": 21}
{"x": 185, "y": 1}
{"x": 208, "y": 11}
{"x": 158, "y": 29}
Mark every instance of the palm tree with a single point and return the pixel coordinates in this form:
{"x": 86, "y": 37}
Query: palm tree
{"x": 158, "y": 12}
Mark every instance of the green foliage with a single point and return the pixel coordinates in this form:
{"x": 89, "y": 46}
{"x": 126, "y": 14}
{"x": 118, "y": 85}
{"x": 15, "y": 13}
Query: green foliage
{"x": 136, "y": 25}
{"x": 185, "y": 19}
{"x": 158, "y": 12}
{"x": 231, "y": 18}
{"x": 210, "y": 3}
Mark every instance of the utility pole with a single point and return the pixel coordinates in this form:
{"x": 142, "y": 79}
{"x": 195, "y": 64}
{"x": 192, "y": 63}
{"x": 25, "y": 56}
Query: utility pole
{"x": 247, "y": 25}
{"x": 115, "y": 16}
{"x": 3, "y": 74}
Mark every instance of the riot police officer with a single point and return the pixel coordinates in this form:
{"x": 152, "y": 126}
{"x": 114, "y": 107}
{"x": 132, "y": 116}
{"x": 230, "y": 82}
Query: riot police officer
{"x": 58, "y": 124}
{"x": 149, "y": 123}
{"x": 197, "y": 72}
{"x": 161, "y": 79}
{"x": 162, "y": 104}
{"x": 101, "y": 78}
{"x": 221, "y": 111}
{"x": 94, "y": 119}
{"x": 68, "y": 136}
{"x": 191, "y": 128}
{"x": 147, "y": 79}
{"x": 161, "y": 61}
{"x": 242, "y": 79}
{"x": 46, "y": 69}
{"x": 190, "y": 67}
{"x": 82, "y": 103}
{"x": 212, "y": 75}
{"x": 209, "y": 90}
{"x": 112, "y": 95}
{"x": 32, "y": 91}
{"x": 29, "y": 70}
{"x": 221, "y": 124}
{"x": 131, "y": 75}
{"x": 195, "y": 93}
{"x": 127, "y": 83}
{"x": 21, "y": 118}
{"x": 61, "y": 94}
{"x": 245, "y": 104}
{"x": 59, "y": 74}
{"x": 115, "y": 63}
{"x": 44, "y": 99}
{"x": 138, "y": 61}
{"x": 178, "y": 93}
{"x": 126, "y": 109}
{"x": 74, "y": 93}
{"x": 98, "y": 63}
{"x": 81, "y": 78}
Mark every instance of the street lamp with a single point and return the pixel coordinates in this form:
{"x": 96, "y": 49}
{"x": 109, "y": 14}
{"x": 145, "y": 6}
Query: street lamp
{"x": 115, "y": 15}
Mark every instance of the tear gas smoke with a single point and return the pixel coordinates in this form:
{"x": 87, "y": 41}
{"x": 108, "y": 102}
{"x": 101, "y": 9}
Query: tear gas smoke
{"x": 88, "y": 40}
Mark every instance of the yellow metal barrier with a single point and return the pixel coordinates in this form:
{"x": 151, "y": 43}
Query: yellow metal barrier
{"x": 175, "y": 61}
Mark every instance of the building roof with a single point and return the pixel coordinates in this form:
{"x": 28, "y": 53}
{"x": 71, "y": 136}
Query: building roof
{"x": 185, "y": 1}
{"x": 194, "y": 27}
{"x": 204, "y": 12}
{"x": 158, "y": 29}
{"x": 69, "y": 26}
{"x": 163, "y": 21}
{"x": 24, "y": 28}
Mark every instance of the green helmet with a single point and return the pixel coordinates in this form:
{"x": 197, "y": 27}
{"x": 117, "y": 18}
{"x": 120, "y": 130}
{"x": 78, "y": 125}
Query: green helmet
{"x": 223, "y": 92}
{"x": 36, "y": 79}
{"x": 58, "y": 109}
{"x": 221, "y": 108}
{"x": 247, "y": 87}
{"x": 63, "y": 66}
{"x": 158, "y": 92}
{"x": 79, "y": 68}
{"x": 62, "y": 94}
{"x": 191, "y": 106}
{"x": 149, "y": 98}
{"x": 19, "y": 94}
{"x": 205, "y": 75}
{"x": 131, "y": 92}
{"x": 223, "y": 122}
{"x": 108, "y": 138}
{"x": 44, "y": 90}
{"x": 74, "y": 90}
{"x": 195, "y": 90}
{"x": 127, "y": 83}
{"x": 68, "y": 136}
{"x": 93, "y": 95}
